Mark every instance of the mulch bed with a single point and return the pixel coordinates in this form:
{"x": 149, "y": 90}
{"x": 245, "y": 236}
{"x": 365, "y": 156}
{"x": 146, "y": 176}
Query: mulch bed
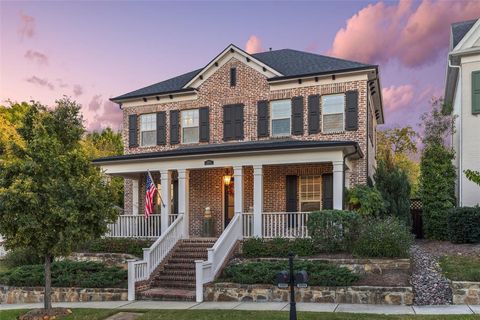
{"x": 442, "y": 248}
{"x": 43, "y": 314}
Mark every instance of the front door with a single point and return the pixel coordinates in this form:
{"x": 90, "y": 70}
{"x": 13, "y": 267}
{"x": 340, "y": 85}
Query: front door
{"x": 228, "y": 202}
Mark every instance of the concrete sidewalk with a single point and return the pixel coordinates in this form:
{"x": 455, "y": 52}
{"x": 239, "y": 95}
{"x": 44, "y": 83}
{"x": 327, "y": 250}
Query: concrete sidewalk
{"x": 272, "y": 306}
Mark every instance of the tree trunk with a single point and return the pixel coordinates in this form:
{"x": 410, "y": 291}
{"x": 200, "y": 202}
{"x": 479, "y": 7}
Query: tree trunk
{"x": 48, "y": 282}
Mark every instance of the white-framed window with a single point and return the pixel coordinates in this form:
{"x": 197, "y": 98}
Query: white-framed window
{"x": 310, "y": 193}
{"x": 190, "y": 127}
{"x": 333, "y": 113}
{"x": 280, "y": 115}
{"x": 148, "y": 129}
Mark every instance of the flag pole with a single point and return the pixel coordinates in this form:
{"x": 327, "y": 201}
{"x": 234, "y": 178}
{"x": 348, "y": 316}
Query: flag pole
{"x": 155, "y": 186}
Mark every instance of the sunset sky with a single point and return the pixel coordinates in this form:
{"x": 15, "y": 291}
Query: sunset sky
{"x": 93, "y": 51}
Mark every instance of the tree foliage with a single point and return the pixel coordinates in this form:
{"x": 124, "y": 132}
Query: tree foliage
{"x": 392, "y": 183}
{"x": 437, "y": 177}
{"x": 473, "y": 176}
{"x": 366, "y": 200}
{"x": 51, "y": 197}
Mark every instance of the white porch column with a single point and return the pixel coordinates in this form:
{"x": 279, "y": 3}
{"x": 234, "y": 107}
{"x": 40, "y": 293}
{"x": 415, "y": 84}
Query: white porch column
{"x": 257, "y": 200}
{"x": 238, "y": 192}
{"x": 135, "y": 196}
{"x": 183, "y": 189}
{"x": 166, "y": 184}
{"x": 338, "y": 185}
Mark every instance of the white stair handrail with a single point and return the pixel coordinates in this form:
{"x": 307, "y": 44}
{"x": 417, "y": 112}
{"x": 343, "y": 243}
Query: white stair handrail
{"x": 206, "y": 271}
{"x": 153, "y": 256}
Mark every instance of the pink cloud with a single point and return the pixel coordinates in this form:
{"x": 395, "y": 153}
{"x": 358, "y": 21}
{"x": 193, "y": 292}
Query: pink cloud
{"x": 37, "y": 57}
{"x": 413, "y": 35}
{"x": 102, "y": 113}
{"x": 95, "y": 103}
{"x": 27, "y": 26}
{"x": 41, "y": 82}
{"x": 397, "y": 97}
{"x": 77, "y": 90}
{"x": 253, "y": 45}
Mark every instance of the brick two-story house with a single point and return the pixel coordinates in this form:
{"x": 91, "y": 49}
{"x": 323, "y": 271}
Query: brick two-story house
{"x": 265, "y": 137}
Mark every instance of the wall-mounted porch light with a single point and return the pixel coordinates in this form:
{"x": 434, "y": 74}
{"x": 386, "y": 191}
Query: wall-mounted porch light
{"x": 227, "y": 177}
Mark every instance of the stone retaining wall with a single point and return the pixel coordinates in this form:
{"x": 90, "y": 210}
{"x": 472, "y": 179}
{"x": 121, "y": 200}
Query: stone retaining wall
{"x": 358, "y": 266}
{"x": 353, "y": 294}
{"x": 12, "y": 295}
{"x": 465, "y": 292}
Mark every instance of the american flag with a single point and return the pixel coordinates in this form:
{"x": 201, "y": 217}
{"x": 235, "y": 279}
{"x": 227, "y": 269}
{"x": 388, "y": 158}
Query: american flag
{"x": 151, "y": 190}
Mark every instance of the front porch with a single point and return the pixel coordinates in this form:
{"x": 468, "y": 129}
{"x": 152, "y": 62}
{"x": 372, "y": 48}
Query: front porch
{"x": 273, "y": 200}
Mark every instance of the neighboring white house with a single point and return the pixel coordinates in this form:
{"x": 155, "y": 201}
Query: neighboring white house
{"x": 462, "y": 91}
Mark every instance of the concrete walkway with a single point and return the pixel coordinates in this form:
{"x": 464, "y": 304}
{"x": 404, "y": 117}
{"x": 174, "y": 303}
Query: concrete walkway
{"x": 273, "y": 306}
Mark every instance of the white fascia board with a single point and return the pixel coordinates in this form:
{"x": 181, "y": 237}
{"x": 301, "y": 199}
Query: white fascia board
{"x": 164, "y": 98}
{"x": 223, "y": 58}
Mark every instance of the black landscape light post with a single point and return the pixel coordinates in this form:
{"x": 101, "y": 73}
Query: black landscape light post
{"x": 287, "y": 279}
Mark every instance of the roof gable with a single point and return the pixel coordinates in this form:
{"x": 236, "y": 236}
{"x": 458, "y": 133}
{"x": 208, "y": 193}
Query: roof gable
{"x": 462, "y": 34}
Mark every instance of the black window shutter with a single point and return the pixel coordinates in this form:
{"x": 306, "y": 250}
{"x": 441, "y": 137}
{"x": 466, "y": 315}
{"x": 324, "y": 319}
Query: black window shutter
{"x": 161, "y": 129}
{"x": 174, "y": 127}
{"x": 291, "y": 193}
{"x": 233, "y": 77}
{"x": 313, "y": 114}
{"x": 204, "y": 122}
{"x": 475, "y": 92}
{"x": 351, "y": 119}
{"x": 327, "y": 191}
{"x": 228, "y": 133}
{"x": 297, "y": 115}
{"x": 238, "y": 118}
{"x": 175, "y": 196}
{"x": 132, "y": 131}
{"x": 262, "y": 118}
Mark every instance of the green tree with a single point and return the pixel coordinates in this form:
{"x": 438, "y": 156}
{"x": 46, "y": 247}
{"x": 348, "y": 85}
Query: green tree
{"x": 366, "y": 200}
{"x": 51, "y": 197}
{"x": 393, "y": 184}
{"x": 473, "y": 176}
{"x": 399, "y": 145}
{"x": 437, "y": 173}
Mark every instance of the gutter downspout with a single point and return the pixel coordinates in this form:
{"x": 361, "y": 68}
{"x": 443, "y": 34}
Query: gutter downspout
{"x": 343, "y": 179}
{"x": 460, "y": 119}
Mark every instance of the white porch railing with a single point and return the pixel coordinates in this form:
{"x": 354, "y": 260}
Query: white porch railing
{"x": 278, "y": 225}
{"x": 135, "y": 226}
{"x": 206, "y": 271}
{"x": 153, "y": 256}
{"x": 171, "y": 218}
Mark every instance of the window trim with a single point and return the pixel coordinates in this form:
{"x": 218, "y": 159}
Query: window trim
{"x": 271, "y": 119}
{"x": 154, "y": 115}
{"x": 300, "y": 201}
{"x": 182, "y": 127}
{"x": 323, "y": 113}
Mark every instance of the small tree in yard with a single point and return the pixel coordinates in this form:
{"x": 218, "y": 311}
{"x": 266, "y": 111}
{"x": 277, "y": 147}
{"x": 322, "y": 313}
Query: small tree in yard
{"x": 51, "y": 197}
{"x": 437, "y": 172}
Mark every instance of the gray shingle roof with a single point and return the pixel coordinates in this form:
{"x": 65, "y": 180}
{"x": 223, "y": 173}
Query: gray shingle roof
{"x": 459, "y": 30}
{"x": 286, "y": 61}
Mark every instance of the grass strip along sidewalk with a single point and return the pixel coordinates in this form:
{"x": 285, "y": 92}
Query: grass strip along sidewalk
{"x": 101, "y": 314}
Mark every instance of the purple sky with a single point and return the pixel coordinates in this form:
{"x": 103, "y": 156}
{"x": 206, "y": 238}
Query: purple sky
{"x": 92, "y": 51}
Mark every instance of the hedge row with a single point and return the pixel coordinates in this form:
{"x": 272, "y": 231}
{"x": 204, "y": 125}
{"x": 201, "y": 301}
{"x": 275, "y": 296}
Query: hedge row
{"x": 116, "y": 245}
{"x": 464, "y": 225}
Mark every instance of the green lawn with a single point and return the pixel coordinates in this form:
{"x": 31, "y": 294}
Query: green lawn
{"x": 98, "y": 314}
{"x": 461, "y": 268}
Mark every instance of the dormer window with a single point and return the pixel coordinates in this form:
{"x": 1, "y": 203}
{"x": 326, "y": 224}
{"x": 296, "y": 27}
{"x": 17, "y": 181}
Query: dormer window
{"x": 233, "y": 77}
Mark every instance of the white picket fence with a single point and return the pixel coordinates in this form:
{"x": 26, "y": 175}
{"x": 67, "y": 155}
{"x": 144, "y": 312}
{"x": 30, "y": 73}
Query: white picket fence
{"x": 153, "y": 256}
{"x": 278, "y": 225}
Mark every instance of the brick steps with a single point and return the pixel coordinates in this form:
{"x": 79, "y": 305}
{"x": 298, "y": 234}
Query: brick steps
{"x": 176, "y": 280}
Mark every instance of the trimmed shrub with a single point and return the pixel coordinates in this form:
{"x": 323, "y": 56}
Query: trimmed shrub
{"x": 68, "y": 274}
{"x": 383, "y": 238}
{"x": 258, "y": 247}
{"x": 115, "y": 245}
{"x": 333, "y": 230}
{"x": 365, "y": 200}
{"x": 21, "y": 257}
{"x": 263, "y": 272}
{"x": 464, "y": 225}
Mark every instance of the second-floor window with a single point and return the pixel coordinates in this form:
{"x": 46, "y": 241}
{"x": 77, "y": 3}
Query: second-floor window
{"x": 190, "y": 127}
{"x": 333, "y": 113}
{"x": 148, "y": 124}
{"x": 281, "y": 117}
